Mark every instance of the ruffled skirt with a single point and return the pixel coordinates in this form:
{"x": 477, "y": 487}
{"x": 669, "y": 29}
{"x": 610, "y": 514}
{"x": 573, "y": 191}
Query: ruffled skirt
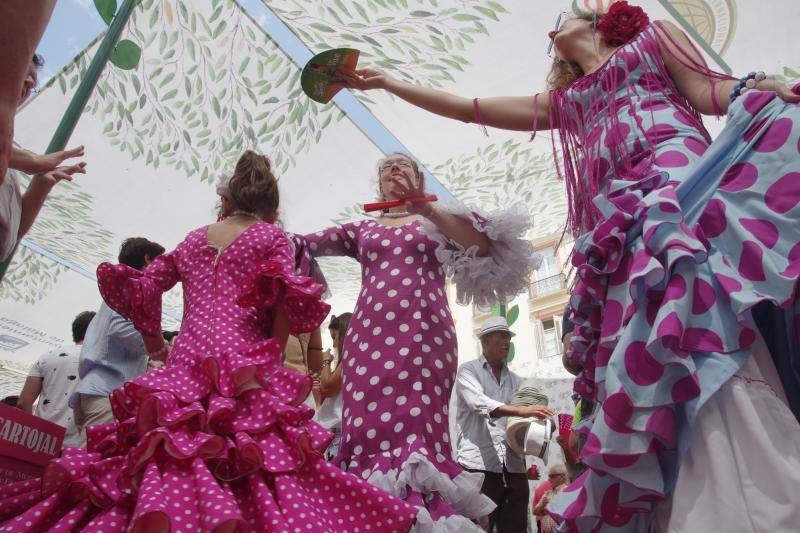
{"x": 447, "y": 497}
{"x": 662, "y": 309}
{"x": 224, "y": 445}
{"x": 742, "y": 470}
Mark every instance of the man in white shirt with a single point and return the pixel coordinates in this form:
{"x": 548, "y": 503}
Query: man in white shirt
{"x": 483, "y": 388}
{"x": 53, "y": 378}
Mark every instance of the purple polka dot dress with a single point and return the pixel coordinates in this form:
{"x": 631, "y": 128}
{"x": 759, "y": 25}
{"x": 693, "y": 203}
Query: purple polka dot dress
{"x": 679, "y": 238}
{"x": 217, "y": 439}
{"x": 400, "y": 357}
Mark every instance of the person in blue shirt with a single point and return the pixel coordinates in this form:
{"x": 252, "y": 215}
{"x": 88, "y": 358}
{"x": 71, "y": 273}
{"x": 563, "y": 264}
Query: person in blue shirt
{"x": 113, "y": 351}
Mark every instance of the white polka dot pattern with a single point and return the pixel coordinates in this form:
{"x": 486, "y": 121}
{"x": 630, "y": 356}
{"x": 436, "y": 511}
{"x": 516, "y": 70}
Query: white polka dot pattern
{"x": 400, "y": 357}
{"x": 218, "y": 437}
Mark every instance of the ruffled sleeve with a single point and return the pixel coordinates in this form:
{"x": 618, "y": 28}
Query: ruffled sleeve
{"x": 136, "y": 294}
{"x": 500, "y": 275}
{"x": 305, "y": 264}
{"x": 274, "y": 281}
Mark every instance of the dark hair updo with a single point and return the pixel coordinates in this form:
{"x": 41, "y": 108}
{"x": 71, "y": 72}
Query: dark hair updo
{"x": 253, "y": 187}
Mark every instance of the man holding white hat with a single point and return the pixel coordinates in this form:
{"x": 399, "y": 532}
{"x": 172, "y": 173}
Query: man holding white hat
{"x": 484, "y": 388}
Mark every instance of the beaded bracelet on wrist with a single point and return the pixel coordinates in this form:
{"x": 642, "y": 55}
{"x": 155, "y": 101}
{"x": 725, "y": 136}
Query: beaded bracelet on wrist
{"x": 746, "y": 83}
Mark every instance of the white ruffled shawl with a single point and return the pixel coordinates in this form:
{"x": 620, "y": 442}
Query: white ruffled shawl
{"x": 504, "y": 272}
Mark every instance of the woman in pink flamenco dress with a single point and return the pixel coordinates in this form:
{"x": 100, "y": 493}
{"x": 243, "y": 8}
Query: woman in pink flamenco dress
{"x": 680, "y": 242}
{"x": 400, "y": 354}
{"x": 217, "y": 439}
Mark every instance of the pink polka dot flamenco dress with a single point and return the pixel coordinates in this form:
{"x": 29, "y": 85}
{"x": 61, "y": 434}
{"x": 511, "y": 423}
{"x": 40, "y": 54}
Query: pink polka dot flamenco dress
{"x": 217, "y": 439}
{"x": 678, "y": 238}
{"x": 400, "y": 353}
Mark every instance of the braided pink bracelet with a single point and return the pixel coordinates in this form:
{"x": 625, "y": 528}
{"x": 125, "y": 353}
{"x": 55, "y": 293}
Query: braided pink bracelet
{"x": 479, "y": 117}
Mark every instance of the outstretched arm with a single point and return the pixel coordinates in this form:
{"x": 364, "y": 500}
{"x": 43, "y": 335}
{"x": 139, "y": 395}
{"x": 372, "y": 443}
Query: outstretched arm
{"x": 470, "y": 391}
{"x": 505, "y": 112}
{"x": 34, "y": 197}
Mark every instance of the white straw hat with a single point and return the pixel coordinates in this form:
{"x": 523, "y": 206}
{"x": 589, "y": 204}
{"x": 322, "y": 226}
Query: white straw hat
{"x": 495, "y": 323}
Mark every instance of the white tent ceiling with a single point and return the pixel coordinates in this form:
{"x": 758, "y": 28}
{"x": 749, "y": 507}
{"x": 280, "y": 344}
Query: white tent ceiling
{"x": 217, "y": 77}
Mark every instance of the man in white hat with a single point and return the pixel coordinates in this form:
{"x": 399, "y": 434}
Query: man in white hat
{"x": 484, "y": 388}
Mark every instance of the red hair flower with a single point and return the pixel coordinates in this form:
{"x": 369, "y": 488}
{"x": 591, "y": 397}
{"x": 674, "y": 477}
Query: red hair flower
{"x": 622, "y": 23}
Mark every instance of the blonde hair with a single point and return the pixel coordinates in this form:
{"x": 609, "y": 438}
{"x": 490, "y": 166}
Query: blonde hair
{"x": 564, "y": 73}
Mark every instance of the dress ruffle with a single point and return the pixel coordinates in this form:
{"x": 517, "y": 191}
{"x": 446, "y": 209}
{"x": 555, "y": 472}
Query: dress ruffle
{"x": 447, "y": 496}
{"x": 651, "y": 352}
{"x": 228, "y": 435}
{"x": 498, "y": 276}
{"x": 131, "y": 294}
{"x": 300, "y": 295}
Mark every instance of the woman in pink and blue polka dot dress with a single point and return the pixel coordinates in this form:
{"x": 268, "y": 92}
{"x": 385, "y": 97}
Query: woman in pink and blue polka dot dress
{"x": 218, "y": 439}
{"x": 679, "y": 238}
{"x": 400, "y": 355}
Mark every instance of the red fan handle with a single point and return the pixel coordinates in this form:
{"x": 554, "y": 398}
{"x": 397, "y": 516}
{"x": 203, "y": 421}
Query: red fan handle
{"x": 380, "y": 206}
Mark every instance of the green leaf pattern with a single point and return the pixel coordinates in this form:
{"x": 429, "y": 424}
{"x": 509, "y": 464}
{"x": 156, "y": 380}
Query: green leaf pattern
{"x": 416, "y": 40}
{"x": 210, "y": 84}
{"x": 502, "y": 173}
{"x": 30, "y": 277}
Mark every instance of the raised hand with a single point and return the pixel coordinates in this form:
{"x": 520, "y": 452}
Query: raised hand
{"x": 53, "y": 176}
{"x": 365, "y": 79}
{"x": 405, "y": 188}
{"x": 47, "y": 162}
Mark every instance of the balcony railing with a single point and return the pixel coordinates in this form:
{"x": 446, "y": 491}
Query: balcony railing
{"x": 549, "y": 285}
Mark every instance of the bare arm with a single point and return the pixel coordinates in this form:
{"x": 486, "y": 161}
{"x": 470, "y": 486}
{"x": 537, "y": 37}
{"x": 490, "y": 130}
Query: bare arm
{"x": 35, "y": 195}
{"x": 30, "y": 163}
{"x": 458, "y": 229}
{"x": 470, "y": 391}
{"x": 314, "y": 352}
{"x": 330, "y": 382}
{"x": 679, "y": 54}
{"x": 537, "y": 411}
{"x": 699, "y": 88}
{"x": 505, "y": 112}
{"x": 30, "y": 391}
{"x": 455, "y": 228}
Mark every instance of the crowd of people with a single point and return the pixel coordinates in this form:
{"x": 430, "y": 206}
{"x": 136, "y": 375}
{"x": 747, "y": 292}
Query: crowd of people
{"x": 682, "y": 327}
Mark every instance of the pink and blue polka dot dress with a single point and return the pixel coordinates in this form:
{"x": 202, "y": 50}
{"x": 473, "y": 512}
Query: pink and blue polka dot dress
{"x": 217, "y": 439}
{"x": 681, "y": 238}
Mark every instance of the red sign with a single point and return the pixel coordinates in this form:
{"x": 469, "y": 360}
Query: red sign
{"x": 27, "y": 443}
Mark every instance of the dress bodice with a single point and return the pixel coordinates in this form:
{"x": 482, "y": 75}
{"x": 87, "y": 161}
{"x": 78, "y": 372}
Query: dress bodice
{"x": 625, "y": 122}
{"x": 228, "y": 293}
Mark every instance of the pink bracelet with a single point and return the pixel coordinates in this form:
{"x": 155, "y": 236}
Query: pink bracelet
{"x": 535, "y": 116}
{"x": 479, "y": 117}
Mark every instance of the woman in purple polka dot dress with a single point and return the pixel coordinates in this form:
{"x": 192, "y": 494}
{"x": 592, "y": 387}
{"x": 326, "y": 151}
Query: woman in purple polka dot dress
{"x": 400, "y": 354}
{"x": 678, "y": 239}
{"x": 217, "y": 439}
